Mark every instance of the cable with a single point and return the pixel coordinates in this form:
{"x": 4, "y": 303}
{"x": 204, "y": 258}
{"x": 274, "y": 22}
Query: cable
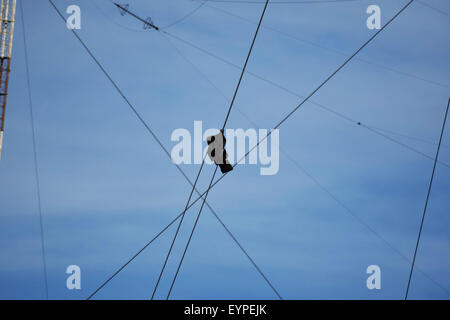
{"x": 223, "y": 127}
{"x": 180, "y": 170}
{"x": 35, "y": 158}
{"x": 426, "y": 201}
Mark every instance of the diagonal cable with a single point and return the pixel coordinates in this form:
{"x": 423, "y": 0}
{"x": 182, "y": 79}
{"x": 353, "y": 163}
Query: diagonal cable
{"x": 223, "y": 175}
{"x": 35, "y": 157}
{"x": 426, "y": 201}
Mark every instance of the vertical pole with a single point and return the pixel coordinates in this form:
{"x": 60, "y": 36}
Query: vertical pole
{"x": 8, "y": 12}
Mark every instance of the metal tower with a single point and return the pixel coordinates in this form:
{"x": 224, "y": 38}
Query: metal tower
{"x": 7, "y": 14}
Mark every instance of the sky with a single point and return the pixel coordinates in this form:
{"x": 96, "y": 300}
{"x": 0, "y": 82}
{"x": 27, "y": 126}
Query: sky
{"x": 344, "y": 198}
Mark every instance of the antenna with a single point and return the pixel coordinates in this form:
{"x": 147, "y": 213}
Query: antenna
{"x": 7, "y": 14}
{"x": 147, "y": 24}
{"x": 123, "y": 9}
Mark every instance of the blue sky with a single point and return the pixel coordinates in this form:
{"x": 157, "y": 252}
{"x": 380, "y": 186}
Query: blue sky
{"x": 107, "y": 187}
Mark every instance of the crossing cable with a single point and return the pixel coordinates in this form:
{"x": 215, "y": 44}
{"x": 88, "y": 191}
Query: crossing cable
{"x": 223, "y": 175}
{"x": 244, "y": 156}
{"x": 323, "y": 107}
{"x": 326, "y": 48}
{"x": 367, "y": 225}
{"x": 215, "y": 170}
{"x": 177, "y": 231}
{"x": 308, "y": 174}
{"x": 310, "y": 95}
{"x": 35, "y": 157}
{"x": 426, "y": 201}
{"x": 179, "y": 169}
{"x": 409, "y": 3}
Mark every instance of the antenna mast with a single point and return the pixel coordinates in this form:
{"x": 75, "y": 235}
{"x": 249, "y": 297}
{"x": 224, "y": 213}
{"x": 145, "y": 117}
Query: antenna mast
{"x": 7, "y": 14}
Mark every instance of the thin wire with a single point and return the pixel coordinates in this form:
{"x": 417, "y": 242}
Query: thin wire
{"x": 223, "y": 127}
{"x": 184, "y": 175}
{"x": 35, "y": 158}
{"x": 426, "y": 201}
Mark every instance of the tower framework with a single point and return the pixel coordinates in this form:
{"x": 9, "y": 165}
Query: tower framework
{"x": 7, "y": 16}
